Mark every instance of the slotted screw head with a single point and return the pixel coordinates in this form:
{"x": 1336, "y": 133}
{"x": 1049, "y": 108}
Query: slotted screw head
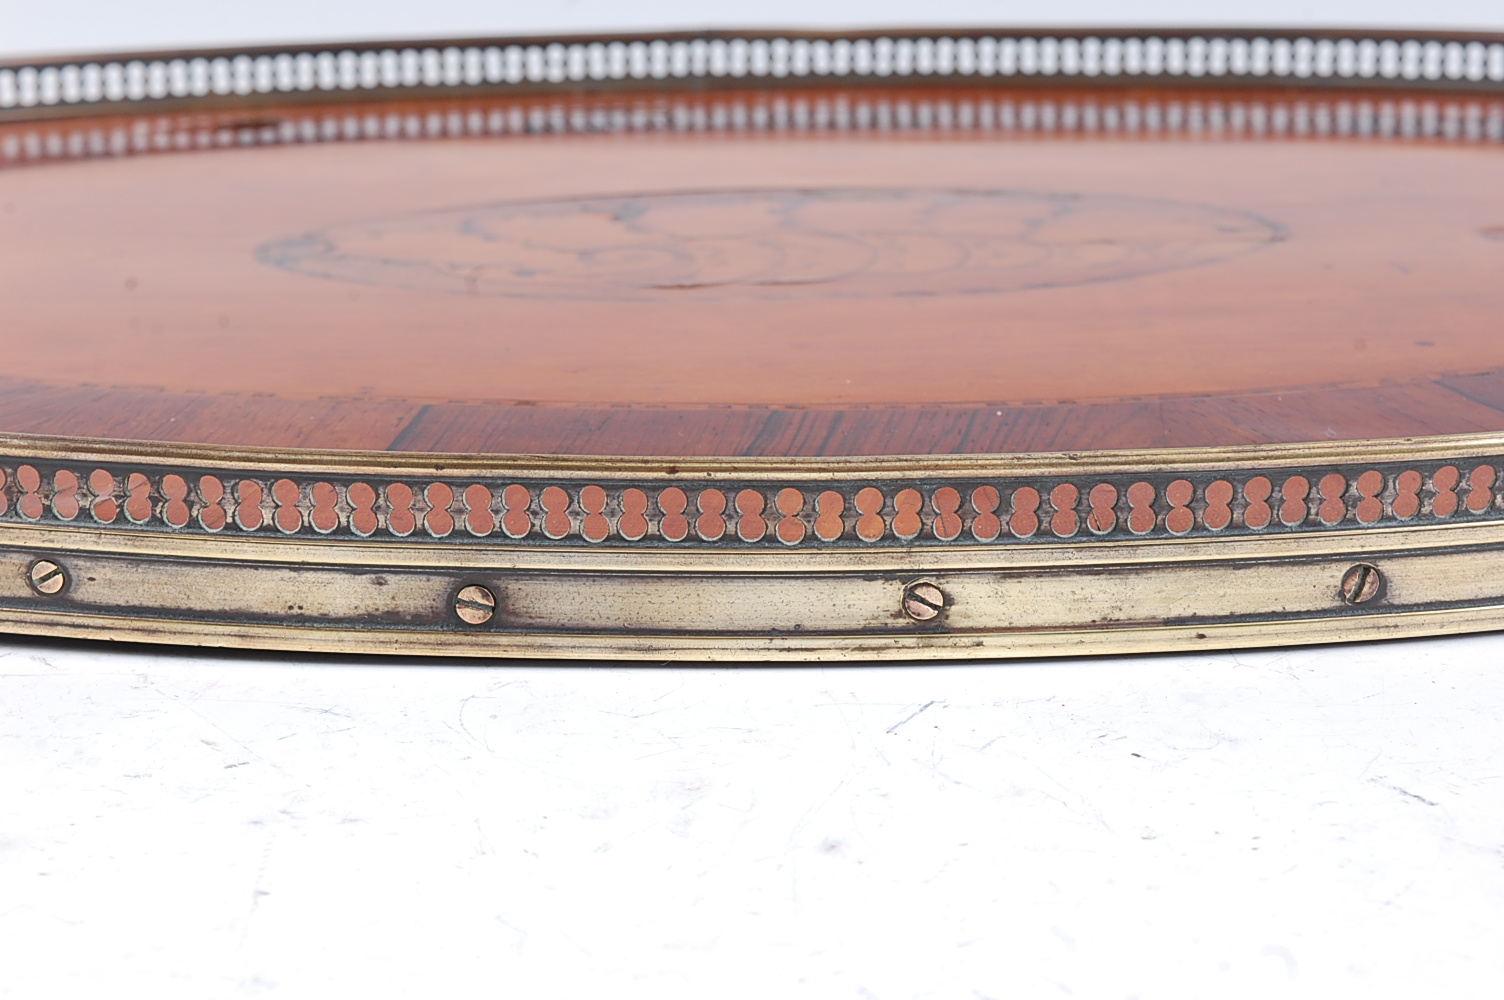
{"x": 46, "y": 577}
{"x": 923, "y": 601}
{"x": 475, "y": 605}
{"x": 1361, "y": 583}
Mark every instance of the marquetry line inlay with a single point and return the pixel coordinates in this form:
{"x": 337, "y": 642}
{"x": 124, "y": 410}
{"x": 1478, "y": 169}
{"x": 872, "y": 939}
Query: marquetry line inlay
{"x": 951, "y": 512}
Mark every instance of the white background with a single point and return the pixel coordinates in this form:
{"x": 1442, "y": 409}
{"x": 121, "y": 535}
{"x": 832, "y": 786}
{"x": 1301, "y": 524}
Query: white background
{"x": 1293, "y": 823}
{"x": 97, "y": 25}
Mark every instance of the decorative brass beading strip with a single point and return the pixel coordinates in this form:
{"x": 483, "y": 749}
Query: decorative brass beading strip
{"x": 971, "y": 511}
{"x": 559, "y": 63}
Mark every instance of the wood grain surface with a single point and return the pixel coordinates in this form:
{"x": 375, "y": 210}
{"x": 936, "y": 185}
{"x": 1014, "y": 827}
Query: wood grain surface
{"x": 757, "y": 293}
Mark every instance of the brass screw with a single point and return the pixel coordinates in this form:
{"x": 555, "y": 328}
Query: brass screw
{"x": 475, "y": 605}
{"x": 1360, "y": 584}
{"x": 923, "y": 601}
{"x": 46, "y": 577}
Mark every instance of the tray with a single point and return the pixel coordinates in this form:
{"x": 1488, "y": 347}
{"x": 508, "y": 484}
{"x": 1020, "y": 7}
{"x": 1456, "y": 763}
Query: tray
{"x": 756, "y": 345}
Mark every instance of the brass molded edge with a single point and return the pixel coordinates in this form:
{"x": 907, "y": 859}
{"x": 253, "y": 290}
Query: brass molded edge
{"x": 1057, "y": 599}
{"x": 1136, "y": 640}
{"x": 670, "y": 468}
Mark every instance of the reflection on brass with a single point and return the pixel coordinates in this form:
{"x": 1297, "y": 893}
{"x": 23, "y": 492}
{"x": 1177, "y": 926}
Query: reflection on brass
{"x": 46, "y": 577}
{"x": 475, "y": 605}
{"x": 1361, "y": 583}
{"x": 923, "y": 601}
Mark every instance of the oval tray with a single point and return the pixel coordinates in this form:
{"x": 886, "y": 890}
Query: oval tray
{"x": 756, "y": 345}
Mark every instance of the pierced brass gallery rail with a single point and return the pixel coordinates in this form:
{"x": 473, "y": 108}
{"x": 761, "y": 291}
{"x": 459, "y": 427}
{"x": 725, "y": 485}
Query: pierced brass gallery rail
{"x": 969, "y": 511}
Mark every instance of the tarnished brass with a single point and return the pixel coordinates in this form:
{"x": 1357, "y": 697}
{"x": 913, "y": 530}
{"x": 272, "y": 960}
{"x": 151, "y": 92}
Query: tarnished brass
{"x": 735, "y": 600}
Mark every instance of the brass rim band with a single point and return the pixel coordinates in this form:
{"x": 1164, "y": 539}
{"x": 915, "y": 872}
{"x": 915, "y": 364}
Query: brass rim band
{"x": 752, "y": 559}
